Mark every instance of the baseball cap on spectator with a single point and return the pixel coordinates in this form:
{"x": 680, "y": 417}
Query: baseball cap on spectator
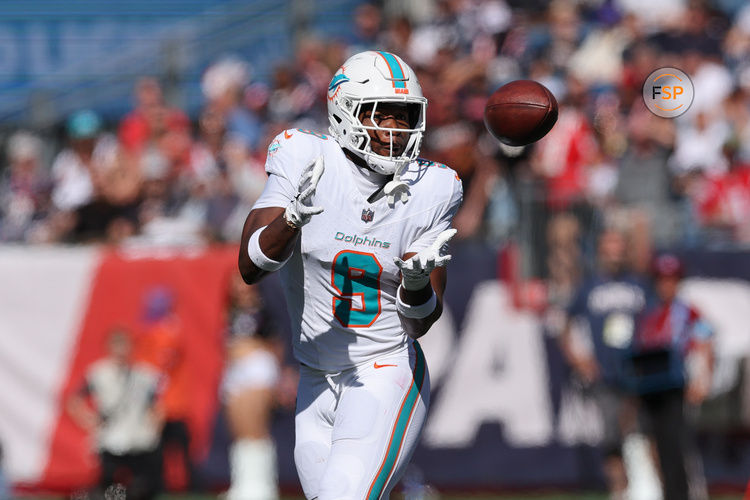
{"x": 230, "y": 73}
{"x": 667, "y": 266}
{"x": 158, "y": 303}
{"x": 83, "y": 124}
{"x": 24, "y": 146}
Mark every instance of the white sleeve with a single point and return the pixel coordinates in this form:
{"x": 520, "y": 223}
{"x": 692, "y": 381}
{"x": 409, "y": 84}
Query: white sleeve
{"x": 286, "y": 156}
{"x": 277, "y": 192}
{"x": 442, "y": 220}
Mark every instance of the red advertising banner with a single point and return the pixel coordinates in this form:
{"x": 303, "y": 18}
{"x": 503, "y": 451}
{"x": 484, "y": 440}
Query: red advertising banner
{"x": 123, "y": 279}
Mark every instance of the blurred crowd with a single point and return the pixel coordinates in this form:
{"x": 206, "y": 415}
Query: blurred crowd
{"x": 159, "y": 176}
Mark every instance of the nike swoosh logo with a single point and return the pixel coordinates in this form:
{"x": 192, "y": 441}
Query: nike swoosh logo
{"x": 376, "y": 365}
{"x": 287, "y": 135}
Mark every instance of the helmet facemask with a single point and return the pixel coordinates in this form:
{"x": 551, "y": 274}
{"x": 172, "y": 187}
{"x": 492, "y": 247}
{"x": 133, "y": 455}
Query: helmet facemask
{"x": 360, "y": 142}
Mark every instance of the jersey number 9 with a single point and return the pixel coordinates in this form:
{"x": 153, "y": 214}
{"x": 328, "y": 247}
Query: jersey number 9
{"x": 356, "y": 278}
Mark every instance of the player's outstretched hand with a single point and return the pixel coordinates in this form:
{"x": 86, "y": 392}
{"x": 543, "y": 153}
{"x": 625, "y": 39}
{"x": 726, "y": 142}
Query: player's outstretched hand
{"x": 415, "y": 271}
{"x": 300, "y": 210}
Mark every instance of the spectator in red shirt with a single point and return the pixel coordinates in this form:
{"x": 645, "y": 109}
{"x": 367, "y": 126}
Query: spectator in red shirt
{"x": 162, "y": 346}
{"x": 562, "y": 157}
{"x": 670, "y": 365}
{"x": 150, "y": 119}
{"x": 723, "y": 200}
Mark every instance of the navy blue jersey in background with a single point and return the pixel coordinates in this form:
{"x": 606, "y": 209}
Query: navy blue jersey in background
{"x": 610, "y": 306}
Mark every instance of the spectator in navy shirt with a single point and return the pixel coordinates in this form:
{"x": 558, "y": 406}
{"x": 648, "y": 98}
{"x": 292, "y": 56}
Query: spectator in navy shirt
{"x": 607, "y": 305}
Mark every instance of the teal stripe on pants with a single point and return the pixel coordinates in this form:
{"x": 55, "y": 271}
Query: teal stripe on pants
{"x": 400, "y": 427}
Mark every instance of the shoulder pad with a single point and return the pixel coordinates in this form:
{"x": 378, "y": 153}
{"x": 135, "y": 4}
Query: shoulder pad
{"x": 434, "y": 164}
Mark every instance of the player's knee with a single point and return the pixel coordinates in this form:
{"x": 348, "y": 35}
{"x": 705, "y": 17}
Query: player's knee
{"x": 307, "y": 452}
{"x": 310, "y": 457}
{"x": 343, "y": 479}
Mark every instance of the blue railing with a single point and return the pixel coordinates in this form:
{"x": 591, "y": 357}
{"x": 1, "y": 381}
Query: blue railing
{"x": 56, "y": 56}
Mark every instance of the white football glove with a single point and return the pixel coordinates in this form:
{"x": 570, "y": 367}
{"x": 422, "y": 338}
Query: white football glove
{"x": 300, "y": 211}
{"x": 415, "y": 271}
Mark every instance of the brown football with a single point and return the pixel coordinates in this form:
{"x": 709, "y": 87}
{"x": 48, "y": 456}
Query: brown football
{"x": 520, "y": 112}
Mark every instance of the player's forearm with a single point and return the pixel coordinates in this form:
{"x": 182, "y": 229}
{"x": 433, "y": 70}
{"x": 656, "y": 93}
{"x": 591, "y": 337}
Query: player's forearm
{"x": 417, "y": 327}
{"x": 276, "y": 241}
{"x": 426, "y": 303}
{"x": 423, "y": 279}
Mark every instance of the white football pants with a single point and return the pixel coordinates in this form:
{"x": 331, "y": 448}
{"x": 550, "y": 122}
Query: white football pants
{"x": 356, "y": 430}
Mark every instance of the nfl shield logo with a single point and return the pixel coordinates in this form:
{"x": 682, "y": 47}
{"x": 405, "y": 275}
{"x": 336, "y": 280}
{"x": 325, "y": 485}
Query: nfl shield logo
{"x": 367, "y": 215}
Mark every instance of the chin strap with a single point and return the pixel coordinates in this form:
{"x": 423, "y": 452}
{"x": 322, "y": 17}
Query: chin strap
{"x": 397, "y": 190}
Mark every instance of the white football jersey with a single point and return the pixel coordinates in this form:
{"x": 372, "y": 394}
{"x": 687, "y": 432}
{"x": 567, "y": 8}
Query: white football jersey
{"x": 341, "y": 280}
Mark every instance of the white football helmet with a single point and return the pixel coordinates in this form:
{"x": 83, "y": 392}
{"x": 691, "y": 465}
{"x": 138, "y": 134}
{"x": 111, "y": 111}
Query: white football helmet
{"x": 371, "y": 78}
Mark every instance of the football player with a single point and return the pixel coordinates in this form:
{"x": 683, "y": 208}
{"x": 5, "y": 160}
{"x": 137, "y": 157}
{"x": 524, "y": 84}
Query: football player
{"x": 357, "y": 223}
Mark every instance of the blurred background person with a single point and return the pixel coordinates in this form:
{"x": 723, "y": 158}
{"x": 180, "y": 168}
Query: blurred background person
{"x": 4, "y": 485}
{"x": 117, "y": 405}
{"x": 24, "y": 188}
{"x": 606, "y": 305}
{"x": 95, "y": 186}
{"x": 162, "y": 346}
{"x": 223, "y": 85}
{"x": 671, "y": 365}
{"x": 76, "y": 169}
{"x": 250, "y": 377}
{"x": 150, "y": 119}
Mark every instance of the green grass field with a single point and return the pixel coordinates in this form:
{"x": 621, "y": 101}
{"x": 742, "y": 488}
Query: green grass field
{"x": 529, "y": 496}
